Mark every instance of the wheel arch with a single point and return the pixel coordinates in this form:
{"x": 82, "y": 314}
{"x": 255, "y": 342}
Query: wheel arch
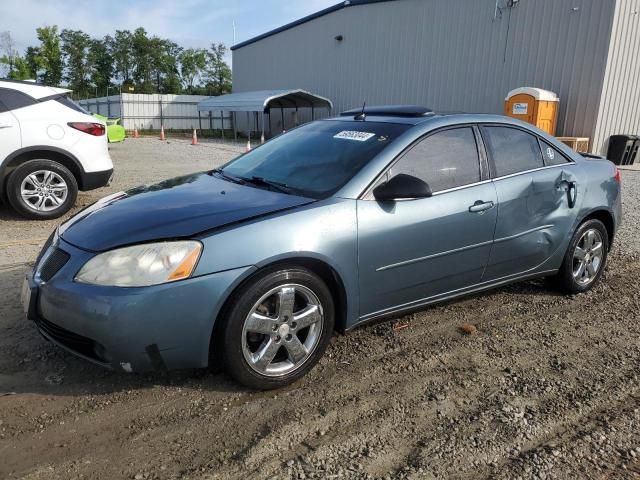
{"x": 606, "y": 217}
{"x": 23, "y": 155}
{"x": 323, "y": 269}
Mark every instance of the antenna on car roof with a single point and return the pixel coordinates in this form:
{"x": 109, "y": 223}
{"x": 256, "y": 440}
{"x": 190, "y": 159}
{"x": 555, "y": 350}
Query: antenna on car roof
{"x": 361, "y": 115}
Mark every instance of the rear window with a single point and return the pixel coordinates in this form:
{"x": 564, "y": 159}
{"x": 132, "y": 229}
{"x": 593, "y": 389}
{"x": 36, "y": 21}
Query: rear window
{"x": 67, "y": 102}
{"x": 13, "y": 100}
{"x": 512, "y": 150}
{"x": 551, "y": 155}
{"x": 318, "y": 158}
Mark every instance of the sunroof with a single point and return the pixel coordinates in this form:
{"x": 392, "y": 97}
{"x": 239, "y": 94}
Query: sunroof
{"x": 390, "y": 110}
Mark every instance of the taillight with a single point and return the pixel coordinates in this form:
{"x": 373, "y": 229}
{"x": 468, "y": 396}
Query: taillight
{"x": 95, "y": 129}
{"x": 617, "y": 176}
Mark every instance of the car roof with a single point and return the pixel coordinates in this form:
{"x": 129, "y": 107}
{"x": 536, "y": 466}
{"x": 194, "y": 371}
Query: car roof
{"x": 34, "y": 90}
{"x": 441, "y": 118}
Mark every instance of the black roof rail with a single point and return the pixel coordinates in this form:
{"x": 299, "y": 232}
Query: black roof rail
{"x": 390, "y": 111}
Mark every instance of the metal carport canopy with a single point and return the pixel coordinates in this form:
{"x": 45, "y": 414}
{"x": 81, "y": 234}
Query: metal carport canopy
{"x": 263, "y": 100}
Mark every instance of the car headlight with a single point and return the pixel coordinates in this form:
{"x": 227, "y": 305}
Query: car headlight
{"x": 142, "y": 265}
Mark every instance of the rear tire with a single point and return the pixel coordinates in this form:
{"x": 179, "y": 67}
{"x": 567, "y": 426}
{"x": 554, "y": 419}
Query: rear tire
{"x": 276, "y": 328}
{"x": 585, "y": 259}
{"x": 41, "y": 190}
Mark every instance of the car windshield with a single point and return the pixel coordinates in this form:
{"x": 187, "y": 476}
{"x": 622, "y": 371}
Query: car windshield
{"x": 316, "y": 159}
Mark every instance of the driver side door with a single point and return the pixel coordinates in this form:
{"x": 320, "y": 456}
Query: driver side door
{"x": 413, "y": 251}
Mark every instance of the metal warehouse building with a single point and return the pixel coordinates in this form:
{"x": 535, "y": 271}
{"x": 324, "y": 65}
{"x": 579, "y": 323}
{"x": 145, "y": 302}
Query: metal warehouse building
{"x": 461, "y": 55}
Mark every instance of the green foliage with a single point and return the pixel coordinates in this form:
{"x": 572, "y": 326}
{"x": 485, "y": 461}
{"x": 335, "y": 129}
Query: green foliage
{"x": 218, "y": 73}
{"x": 193, "y": 62}
{"x": 100, "y": 60}
{"x": 49, "y": 56}
{"x": 127, "y": 60}
{"x": 75, "y": 48}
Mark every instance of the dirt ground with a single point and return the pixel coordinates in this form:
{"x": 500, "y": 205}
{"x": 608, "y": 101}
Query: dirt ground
{"x": 546, "y": 387}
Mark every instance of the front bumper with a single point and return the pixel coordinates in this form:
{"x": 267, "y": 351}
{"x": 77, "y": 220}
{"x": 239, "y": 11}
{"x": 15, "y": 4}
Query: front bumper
{"x": 132, "y": 329}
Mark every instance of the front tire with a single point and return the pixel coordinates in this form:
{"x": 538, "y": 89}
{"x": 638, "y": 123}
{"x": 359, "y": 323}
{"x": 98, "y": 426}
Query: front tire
{"x": 41, "y": 190}
{"x": 585, "y": 259}
{"x": 277, "y": 327}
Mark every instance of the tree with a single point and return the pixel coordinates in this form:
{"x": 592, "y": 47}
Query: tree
{"x": 218, "y": 72}
{"x": 50, "y": 55}
{"x": 131, "y": 59}
{"x": 121, "y": 50}
{"x": 21, "y": 70}
{"x": 142, "y": 60}
{"x": 75, "y": 46}
{"x": 193, "y": 62}
{"x": 33, "y": 61}
{"x": 164, "y": 60}
{"x": 101, "y": 64}
{"x": 8, "y": 52}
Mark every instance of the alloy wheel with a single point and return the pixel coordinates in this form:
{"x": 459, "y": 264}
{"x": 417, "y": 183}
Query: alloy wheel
{"x": 282, "y": 330}
{"x": 587, "y": 257}
{"x": 44, "y": 190}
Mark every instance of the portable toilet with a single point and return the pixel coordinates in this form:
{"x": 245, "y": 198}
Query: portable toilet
{"x": 533, "y": 105}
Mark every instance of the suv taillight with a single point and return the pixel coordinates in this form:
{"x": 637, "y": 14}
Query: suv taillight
{"x": 95, "y": 129}
{"x": 617, "y": 176}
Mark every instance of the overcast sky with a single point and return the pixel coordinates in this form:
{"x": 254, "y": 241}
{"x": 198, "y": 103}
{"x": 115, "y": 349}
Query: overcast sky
{"x": 190, "y": 23}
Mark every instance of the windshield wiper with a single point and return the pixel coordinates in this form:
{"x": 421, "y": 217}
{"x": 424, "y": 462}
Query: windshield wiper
{"x": 228, "y": 177}
{"x": 281, "y": 187}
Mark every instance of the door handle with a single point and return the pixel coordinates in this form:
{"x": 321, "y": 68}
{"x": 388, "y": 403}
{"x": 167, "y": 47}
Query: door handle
{"x": 572, "y": 194}
{"x": 480, "y": 206}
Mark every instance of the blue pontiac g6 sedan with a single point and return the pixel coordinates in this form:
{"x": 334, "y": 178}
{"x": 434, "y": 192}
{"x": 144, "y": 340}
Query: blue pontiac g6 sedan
{"x": 336, "y": 223}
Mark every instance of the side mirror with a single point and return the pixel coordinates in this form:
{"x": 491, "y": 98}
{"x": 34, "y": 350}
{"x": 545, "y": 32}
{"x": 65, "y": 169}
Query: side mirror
{"x": 402, "y": 186}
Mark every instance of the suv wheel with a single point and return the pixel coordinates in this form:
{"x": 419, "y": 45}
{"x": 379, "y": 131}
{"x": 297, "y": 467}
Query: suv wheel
{"x": 277, "y": 328}
{"x": 42, "y": 189}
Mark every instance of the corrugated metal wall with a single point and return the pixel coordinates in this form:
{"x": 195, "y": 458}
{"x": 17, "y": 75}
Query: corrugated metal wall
{"x": 450, "y": 55}
{"x": 148, "y": 111}
{"x": 619, "y": 111}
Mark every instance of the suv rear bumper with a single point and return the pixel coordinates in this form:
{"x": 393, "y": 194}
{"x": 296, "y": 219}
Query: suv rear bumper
{"x": 93, "y": 180}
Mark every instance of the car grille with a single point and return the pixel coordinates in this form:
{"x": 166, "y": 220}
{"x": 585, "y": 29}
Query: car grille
{"x": 82, "y": 345}
{"x": 53, "y": 264}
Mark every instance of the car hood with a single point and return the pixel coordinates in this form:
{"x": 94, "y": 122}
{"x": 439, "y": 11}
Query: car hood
{"x": 175, "y": 208}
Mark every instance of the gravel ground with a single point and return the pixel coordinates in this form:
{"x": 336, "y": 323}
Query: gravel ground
{"x": 547, "y": 386}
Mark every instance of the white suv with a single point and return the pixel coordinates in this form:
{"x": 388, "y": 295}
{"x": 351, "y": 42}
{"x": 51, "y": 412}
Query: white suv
{"x": 49, "y": 149}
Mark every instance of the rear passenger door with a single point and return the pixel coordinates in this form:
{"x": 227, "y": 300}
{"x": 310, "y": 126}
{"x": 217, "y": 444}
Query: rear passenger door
{"x": 536, "y": 197}
{"x": 411, "y": 251}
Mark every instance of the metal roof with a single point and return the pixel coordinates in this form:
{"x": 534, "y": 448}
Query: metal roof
{"x": 262, "y": 100}
{"x": 308, "y": 18}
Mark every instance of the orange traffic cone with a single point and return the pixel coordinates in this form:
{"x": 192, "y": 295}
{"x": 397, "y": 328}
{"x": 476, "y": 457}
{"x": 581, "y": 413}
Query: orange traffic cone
{"x": 162, "y": 137}
{"x": 248, "y": 145}
{"x": 135, "y": 133}
{"x": 194, "y": 138}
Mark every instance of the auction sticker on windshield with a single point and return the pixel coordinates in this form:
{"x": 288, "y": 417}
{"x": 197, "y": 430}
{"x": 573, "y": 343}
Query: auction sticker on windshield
{"x": 353, "y": 135}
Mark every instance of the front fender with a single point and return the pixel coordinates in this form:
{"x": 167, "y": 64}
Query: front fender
{"x": 325, "y": 231}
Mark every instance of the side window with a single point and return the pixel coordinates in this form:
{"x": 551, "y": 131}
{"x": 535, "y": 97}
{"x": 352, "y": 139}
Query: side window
{"x": 444, "y": 160}
{"x": 13, "y": 99}
{"x": 512, "y": 150}
{"x": 551, "y": 155}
